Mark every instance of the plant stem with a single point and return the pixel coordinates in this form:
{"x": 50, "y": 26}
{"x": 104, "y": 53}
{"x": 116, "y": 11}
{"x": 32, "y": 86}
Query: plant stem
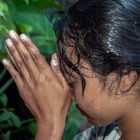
{"x": 2, "y": 74}
{"x": 6, "y": 85}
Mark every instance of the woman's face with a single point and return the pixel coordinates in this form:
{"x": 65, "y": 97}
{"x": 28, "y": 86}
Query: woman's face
{"x": 100, "y": 105}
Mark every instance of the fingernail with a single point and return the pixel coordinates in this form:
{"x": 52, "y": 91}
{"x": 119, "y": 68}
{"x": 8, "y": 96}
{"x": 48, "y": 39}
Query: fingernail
{"x": 5, "y": 61}
{"x": 9, "y": 43}
{"x": 55, "y": 56}
{"x": 24, "y": 37}
{"x": 13, "y": 34}
{"x": 55, "y": 62}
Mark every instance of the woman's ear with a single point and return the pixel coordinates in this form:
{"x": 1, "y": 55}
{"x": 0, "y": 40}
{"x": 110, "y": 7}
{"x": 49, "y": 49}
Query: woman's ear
{"x": 128, "y": 80}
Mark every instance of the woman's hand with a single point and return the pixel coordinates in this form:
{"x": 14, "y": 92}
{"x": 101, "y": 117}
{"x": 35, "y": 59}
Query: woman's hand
{"x": 43, "y": 88}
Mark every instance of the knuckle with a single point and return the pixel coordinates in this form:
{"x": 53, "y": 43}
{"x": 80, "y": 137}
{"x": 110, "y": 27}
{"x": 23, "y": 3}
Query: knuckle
{"x": 12, "y": 50}
{"x": 20, "y": 63}
{"x": 36, "y": 78}
{"x": 32, "y": 85}
{"x": 35, "y": 55}
{"x": 35, "y": 51}
{"x": 44, "y": 79}
{"x": 16, "y": 42}
{"x": 26, "y": 56}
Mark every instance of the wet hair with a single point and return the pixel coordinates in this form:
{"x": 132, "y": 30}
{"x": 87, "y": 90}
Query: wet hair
{"x": 106, "y": 33}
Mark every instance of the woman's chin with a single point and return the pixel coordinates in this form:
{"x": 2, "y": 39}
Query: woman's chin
{"x": 91, "y": 120}
{"x": 95, "y": 122}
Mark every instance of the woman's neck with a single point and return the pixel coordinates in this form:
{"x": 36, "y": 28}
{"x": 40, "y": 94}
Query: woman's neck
{"x": 130, "y": 124}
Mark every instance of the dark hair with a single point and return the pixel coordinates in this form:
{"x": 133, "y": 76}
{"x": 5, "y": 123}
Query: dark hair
{"x": 105, "y": 32}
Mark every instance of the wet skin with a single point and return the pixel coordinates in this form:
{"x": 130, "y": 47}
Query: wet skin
{"x": 47, "y": 94}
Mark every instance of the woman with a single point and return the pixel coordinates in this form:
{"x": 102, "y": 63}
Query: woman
{"x": 98, "y": 67}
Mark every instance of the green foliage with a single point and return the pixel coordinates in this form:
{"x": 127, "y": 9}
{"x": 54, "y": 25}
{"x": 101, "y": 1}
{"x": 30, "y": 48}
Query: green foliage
{"x": 4, "y": 99}
{"x": 7, "y": 117}
{"x": 6, "y": 23}
{"x": 28, "y": 16}
{"x": 11, "y": 118}
{"x": 3, "y": 9}
{"x": 74, "y": 120}
{"x": 6, "y": 136}
{"x": 32, "y": 127}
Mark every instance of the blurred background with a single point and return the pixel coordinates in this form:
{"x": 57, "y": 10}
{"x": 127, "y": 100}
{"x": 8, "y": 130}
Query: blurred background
{"x": 29, "y": 17}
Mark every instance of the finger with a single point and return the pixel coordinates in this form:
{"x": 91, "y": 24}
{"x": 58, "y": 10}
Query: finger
{"x": 56, "y": 69}
{"x": 19, "y": 62}
{"x": 15, "y": 75}
{"x": 24, "y": 54}
{"x": 35, "y": 54}
{"x": 12, "y": 58}
{"x": 10, "y": 55}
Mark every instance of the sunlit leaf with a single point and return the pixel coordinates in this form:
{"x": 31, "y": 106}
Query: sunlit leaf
{"x": 27, "y": 2}
{"x": 6, "y": 24}
{"x": 3, "y": 9}
{"x": 34, "y": 6}
{"x": 40, "y": 30}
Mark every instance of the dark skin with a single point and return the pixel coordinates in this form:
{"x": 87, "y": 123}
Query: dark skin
{"x": 47, "y": 94}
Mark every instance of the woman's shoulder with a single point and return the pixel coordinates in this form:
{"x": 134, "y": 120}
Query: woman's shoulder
{"x": 108, "y": 132}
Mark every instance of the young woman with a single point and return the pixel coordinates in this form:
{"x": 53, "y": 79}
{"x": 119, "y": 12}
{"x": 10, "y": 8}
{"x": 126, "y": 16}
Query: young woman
{"x": 97, "y": 65}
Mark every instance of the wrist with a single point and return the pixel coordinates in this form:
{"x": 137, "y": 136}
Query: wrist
{"x": 50, "y": 130}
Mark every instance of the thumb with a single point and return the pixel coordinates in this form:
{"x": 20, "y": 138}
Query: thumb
{"x": 56, "y": 69}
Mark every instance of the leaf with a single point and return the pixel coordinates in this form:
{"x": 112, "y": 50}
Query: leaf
{"x": 3, "y": 55}
{"x": 4, "y": 99}
{"x": 27, "y": 17}
{"x": 27, "y": 2}
{"x": 2, "y": 74}
{"x": 34, "y": 6}
{"x": 5, "y": 116}
{"x": 3, "y": 28}
{"x": 15, "y": 120}
{"x": 6, "y": 24}
{"x": 41, "y": 31}
{"x": 34, "y": 23}
{"x": 3, "y": 9}
{"x": 32, "y": 128}
{"x": 73, "y": 122}
{"x": 6, "y": 136}
{"x": 3, "y": 6}
{"x": 6, "y": 85}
